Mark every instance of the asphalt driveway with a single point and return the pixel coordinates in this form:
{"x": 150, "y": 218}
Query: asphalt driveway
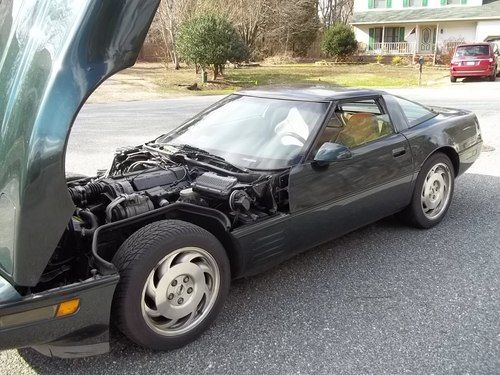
{"x": 385, "y": 299}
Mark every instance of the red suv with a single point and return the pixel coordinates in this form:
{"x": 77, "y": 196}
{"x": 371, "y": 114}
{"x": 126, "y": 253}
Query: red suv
{"x": 475, "y": 60}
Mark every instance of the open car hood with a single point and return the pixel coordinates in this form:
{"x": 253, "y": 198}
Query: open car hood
{"x": 53, "y": 54}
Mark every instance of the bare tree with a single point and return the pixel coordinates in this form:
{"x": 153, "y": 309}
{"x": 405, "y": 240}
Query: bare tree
{"x": 170, "y": 14}
{"x": 335, "y": 11}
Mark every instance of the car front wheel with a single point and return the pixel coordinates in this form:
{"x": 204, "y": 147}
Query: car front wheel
{"x": 453, "y": 79}
{"x": 433, "y": 192}
{"x": 174, "y": 278}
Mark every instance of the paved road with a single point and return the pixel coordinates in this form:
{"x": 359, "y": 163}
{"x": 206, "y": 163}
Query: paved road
{"x": 385, "y": 299}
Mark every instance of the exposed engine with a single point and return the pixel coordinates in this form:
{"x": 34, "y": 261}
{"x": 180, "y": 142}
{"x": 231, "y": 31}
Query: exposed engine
{"x": 141, "y": 180}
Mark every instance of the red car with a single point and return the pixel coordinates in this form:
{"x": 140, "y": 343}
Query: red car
{"x": 475, "y": 60}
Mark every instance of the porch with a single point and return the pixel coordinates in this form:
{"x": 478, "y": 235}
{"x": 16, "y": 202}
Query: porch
{"x": 410, "y": 40}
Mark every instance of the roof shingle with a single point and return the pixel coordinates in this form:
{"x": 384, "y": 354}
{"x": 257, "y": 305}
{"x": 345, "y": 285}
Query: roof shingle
{"x": 489, "y": 10}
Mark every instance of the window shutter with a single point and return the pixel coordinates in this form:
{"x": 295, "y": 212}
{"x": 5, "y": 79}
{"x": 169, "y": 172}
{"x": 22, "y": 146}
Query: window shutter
{"x": 388, "y": 3}
{"x": 401, "y": 34}
{"x": 371, "y": 4}
{"x": 406, "y": 3}
{"x": 424, "y": 3}
{"x": 443, "y": 2}
{"x": 371, "y": 39}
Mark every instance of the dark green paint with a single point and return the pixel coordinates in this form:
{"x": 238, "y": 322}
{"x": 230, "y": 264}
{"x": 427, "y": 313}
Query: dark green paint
{"x": 53, "y": 54}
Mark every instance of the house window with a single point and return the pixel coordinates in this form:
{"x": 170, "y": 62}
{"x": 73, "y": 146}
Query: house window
{"x": 453, "y": 2}
{"x": 394, "y": 34}
{"x": 415, "y": 3}
{"x": 391, "y": 35}
{"x": 379, "y": 4}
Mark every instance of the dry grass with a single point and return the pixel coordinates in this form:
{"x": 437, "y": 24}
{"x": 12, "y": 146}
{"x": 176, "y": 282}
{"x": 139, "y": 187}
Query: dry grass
{"x": 151, "y": 81}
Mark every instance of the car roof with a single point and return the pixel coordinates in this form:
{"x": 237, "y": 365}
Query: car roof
{"x": 475, "y": 44}
{"x": 308, "y": 93}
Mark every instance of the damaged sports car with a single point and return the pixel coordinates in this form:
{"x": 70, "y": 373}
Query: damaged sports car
{"x": 152, "y": 244}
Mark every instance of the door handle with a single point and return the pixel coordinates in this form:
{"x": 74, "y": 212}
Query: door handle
{"x": 398, "y": 152}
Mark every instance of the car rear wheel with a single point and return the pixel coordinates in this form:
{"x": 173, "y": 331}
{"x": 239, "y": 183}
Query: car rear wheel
{"x": 433, "y": 192}
{"x": 493, "y": 75}
{"x": 453, "y": 79}
{"x": 174, "y": 278}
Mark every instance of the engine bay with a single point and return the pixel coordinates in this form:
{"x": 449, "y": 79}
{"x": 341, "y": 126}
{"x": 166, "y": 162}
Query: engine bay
{"x": 143, "y": 179}
{"x": 146, "y": 178}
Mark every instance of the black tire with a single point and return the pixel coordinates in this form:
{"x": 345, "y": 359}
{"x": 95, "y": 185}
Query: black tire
{"x": 493, "y": 76}
{"x": 135, "y": 260}
{"x": 453, "y": 79}
{"x": 414, "y": 213}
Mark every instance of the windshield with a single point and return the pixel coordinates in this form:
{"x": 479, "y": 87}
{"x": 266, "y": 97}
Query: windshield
{"x": 479, "y": 50}
{"x": 250, "y": 132}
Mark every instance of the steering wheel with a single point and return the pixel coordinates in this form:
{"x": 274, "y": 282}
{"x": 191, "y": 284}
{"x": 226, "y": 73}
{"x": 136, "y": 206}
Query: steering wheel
{"x": 293, "y": 135}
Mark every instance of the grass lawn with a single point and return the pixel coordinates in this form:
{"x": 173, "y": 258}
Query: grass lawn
{"x": 369, "y": 75}
{"x": 146, "y": 81}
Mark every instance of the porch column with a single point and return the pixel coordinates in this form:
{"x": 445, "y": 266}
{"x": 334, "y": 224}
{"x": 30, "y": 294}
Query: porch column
{"x": 417, "y": 39}
{"x": 383, "y": 38}
{"x": 436, "y": 44}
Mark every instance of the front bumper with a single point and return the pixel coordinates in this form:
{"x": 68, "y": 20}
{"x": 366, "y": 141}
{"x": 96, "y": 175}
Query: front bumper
{"x": 86, "y": 332}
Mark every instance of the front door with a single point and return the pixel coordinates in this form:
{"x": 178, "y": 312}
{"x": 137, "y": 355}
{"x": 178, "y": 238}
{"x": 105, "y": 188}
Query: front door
{"x": 427, "y": 39}
{"x": 328, "y": 201}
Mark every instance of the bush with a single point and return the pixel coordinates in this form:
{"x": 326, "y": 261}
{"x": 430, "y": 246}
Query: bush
{"x": 210, "y": 40}
{"x": 379, "y": 59}
{"x": 397, "y": 60}
{"x": 339, "y": 41}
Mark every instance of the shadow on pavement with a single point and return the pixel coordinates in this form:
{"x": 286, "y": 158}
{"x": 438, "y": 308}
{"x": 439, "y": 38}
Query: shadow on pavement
{"x": 385, "y": 298}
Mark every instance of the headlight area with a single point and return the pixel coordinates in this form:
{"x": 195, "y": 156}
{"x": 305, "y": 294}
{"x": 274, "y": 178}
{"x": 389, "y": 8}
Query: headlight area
{"x": 62, "y": 309}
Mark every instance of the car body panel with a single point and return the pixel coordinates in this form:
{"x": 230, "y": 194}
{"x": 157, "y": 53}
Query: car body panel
{"x": 83, "y": 333}
{"x": 54, "y": 55}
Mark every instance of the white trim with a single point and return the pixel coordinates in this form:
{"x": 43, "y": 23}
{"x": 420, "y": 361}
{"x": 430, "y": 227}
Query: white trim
{"x": 426, "y": 20}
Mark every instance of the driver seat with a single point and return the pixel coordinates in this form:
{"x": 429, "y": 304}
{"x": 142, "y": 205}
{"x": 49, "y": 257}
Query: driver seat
{"x": 360, "y": 128}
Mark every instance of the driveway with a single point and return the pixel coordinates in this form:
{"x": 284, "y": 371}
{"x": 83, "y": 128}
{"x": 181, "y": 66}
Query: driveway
{"x": 384, "y": 299}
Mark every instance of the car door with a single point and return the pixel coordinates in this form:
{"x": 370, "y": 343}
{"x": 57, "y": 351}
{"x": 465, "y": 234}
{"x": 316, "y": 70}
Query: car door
{"x": 330, "y": 200}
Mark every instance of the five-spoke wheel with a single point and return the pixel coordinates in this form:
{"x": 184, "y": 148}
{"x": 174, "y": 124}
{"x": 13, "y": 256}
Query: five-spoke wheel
{"x": 433, "y": 192}
{"x": 174, "y": 278}
{"x": 180, "y": 291}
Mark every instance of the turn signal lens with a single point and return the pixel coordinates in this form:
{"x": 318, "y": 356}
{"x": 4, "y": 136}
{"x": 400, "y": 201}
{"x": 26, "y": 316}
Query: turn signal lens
{"x": 68, "y": 307}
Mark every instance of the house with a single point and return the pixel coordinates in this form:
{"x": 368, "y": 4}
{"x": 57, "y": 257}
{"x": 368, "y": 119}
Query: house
{"x": 423, "y": 27}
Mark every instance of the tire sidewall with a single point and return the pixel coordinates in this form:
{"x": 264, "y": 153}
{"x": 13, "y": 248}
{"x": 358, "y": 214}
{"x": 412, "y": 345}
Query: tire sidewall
{"x": 129, "y": 310}
{"x": 418, "y": 213}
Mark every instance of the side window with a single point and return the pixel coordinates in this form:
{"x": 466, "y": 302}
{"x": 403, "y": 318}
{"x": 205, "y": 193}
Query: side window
{"x": 415, "y": 113}
{"x": 362, "y": 121}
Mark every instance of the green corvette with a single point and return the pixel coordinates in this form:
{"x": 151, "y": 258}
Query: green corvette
{"x": 151, "y": 245}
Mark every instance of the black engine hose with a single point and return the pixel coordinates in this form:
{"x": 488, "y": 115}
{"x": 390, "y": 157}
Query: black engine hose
{"x": 243, "y": 177}
{"x": 90, "y": 219}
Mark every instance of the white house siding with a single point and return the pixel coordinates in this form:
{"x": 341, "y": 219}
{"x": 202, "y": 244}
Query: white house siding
{"x": 362, "y": 5}
{"x": 457, "y": 30}
{"x": 487, "y": 29}
{"x": 447, "y": 31}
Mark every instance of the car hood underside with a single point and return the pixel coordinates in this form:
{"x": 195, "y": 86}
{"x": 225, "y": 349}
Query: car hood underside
{"x": 53, "y": 54}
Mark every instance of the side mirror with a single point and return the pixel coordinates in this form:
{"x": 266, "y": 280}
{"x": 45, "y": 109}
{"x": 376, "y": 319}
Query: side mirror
{"x": 330, "y": 152}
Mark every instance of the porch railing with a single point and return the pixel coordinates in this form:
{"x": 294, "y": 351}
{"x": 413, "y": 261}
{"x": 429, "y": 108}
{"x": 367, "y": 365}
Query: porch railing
{"x": 393, "y": 48}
